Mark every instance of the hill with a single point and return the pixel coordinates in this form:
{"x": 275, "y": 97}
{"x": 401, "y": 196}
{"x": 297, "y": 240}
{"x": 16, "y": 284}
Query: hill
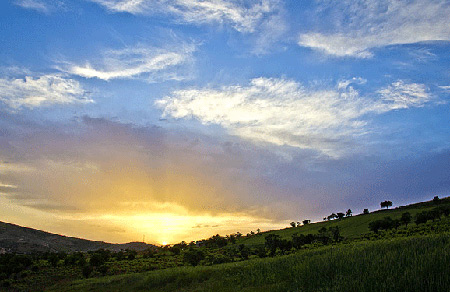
{"x": 18, "y": 239}
{"x": 351, "y": 227}
{"x": 400, "y": 257}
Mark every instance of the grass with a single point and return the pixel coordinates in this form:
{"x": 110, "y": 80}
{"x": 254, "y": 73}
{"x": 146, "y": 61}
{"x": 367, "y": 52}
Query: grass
{"x": 351, "y": 228}
{"x": 400, "y": 264}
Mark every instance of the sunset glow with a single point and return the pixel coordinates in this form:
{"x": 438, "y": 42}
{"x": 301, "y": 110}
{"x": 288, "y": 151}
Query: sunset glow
{"x": 178, "y": 120}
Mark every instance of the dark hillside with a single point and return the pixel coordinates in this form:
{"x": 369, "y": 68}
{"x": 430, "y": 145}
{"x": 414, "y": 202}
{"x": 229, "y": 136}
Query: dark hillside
{"x": 18, "y": 239}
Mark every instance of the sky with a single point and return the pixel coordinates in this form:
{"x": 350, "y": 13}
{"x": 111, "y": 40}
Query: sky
{"x": 177, "y": 120}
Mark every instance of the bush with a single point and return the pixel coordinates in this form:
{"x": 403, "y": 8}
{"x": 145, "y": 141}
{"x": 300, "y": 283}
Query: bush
{"x": 193, "y": 256}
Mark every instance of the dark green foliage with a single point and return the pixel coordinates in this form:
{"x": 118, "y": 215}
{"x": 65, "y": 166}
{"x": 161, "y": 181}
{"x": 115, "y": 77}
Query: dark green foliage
{"x": 149, "y": 253}
{"x": 215, "y": 241}
{"x": 13, "y": 264}
{"x": 193, "y": 256}
{"x": 305, "y": 222}
{"x": 75, "y": 259}
{"x": 261, "y": 252}
{"x": 96, "y": 260}
{"x": 300, "y": 240}
{"x": 385, "y": 224}
{"x": 273, "y": 241}
{"x": 231, "y": 238}
{"x": 53, "y": 259}
{"x": 418, "y": 264}
{"x": 175, "y": 250}
{"x": 103, "y": 269}
{"x": 130, "y": 254}
{"x": 433, "y": 214}
{"x": 87, "y": 270}
{"x": 406, "y": 218}
{"x": 366, "y": 211}
{"x": 244, "y": 251}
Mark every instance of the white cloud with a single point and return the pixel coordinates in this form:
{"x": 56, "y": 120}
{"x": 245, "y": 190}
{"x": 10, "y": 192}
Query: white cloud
{"x": 401, "y": 95}
{"x": 43, "y": 6}
{"x": 282, "y": 112}
{"x": 445, "y": 88}
{"x": 242, "y": 15}
{"x": 359, "y": 26}
{"x": 40, "y": 91}
{"x": 144, "y": 62}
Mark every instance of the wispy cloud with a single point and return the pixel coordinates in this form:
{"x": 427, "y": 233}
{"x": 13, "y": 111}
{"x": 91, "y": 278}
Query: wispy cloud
{"x": 43, "y": 6}
{"x": 361, "y": 25}
{"x": 32, "y": 92}
{"x": 400, "y": 95}
{"x": 153, "y": 64}
{"x": 244, "y": 16}
{"x": 283, "y": 112}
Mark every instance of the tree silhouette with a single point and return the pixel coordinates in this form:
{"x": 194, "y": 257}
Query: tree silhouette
{"x": 349, "y": 213}
{"x": 366, "y": 211}
{"x": 386, "y": 204}
{"x": 293, "y": 224}
{"x": 340, "y": 215}
{"x": 306, "y": 222}
{"x": 331, "y": 217}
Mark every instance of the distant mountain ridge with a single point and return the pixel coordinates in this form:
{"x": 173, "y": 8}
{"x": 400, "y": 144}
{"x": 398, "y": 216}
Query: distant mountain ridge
{"x": 18, "y": 239}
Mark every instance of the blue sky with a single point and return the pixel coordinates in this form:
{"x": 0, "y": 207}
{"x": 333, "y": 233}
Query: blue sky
{"x": 228, "y": 115}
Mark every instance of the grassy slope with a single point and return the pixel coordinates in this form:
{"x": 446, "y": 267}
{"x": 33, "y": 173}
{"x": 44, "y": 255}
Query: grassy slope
{"x": 401, "y": 264}
{"x": 351, "y": 227}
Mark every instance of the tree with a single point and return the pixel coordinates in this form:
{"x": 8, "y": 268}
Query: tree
{"x": 87, "y": 270}
{"x": 422, "y": 217}
{"x": 406, "y": 218}
{"x": 386, "y": 204}
{"x": 193, "y": 256}
{"x": 436, "y": 199}
{"x": 244, "y": 251}
{"x": 293, "y": 224}
{"x": 348, "y": 213}
{"x": 272, "y": 242}
{"x": 306, "y": 222}
{"x": 331, "y": 217}
{"x": 386, "y": 223}
{"x": 335, "y": 232}
{"x": 366, "y": 211}
{"x": 340, "y": 215}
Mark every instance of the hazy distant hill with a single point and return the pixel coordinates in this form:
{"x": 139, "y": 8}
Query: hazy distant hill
{"x": 14, "y": 238}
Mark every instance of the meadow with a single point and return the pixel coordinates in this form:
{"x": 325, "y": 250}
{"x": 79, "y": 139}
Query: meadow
{"x": 334, "y": 255}
{"x": 401, "y": 264}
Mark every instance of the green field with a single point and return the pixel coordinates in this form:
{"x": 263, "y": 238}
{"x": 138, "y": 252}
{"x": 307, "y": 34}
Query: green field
{"x": 402, "y": 264}
{"x": 415, "y": 257}
{"x": 351, "y": 227}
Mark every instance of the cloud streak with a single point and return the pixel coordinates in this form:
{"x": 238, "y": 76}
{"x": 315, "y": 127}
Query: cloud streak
{"x": 43, "y": 6}
{"x": 150, "y": 63}
{"x": 44, "y": 90}
{"x": 360, "y": 26}
{"x": 243, "y": 16}
{"x": 283, "y": 112}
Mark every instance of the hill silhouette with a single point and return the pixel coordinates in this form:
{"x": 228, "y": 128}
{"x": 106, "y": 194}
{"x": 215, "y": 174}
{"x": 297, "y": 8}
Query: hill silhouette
{"x": 18, "y": 239}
